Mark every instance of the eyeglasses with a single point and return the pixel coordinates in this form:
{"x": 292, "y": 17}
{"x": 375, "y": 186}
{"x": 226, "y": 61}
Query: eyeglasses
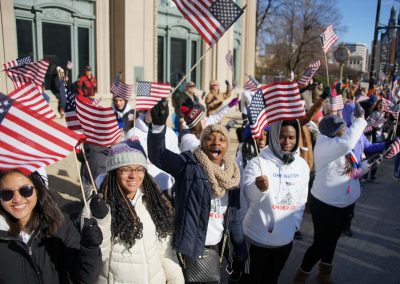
{"x": 126, "y": 171}
{"x": 8, "y": 194}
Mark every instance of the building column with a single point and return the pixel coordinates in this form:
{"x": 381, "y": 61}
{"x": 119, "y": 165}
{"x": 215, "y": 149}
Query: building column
{"x": 103, "y": 48}
{"x": 8, "y": 41}
{"x": 248, "y": 50}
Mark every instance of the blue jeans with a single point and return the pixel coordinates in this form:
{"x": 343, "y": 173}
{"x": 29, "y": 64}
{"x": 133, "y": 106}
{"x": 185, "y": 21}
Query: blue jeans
{"x": 397, "y": 166}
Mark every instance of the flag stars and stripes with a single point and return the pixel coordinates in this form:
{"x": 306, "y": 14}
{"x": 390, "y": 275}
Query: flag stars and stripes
{"x": 328, "y": 38}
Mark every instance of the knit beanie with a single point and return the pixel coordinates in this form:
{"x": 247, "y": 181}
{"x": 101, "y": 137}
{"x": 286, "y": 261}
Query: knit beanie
{"x": 192, "y": 115}
{"x": 214, "y": 128}
{"x": 124, "y": 154}
{"x": 330, "y": 125}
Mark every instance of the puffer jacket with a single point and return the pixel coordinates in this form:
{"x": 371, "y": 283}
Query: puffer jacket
{"x": 150, "y": 261}
{"x": 193, "y": 200}
{"x": 47, "y": 259}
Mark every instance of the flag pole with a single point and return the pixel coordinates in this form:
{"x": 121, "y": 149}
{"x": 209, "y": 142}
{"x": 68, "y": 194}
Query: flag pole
{"x": 191, "y": 69}
{"x": 80, "y": 182}
{"x": 258, "y": 155}
{"x": 327, "y": 71}
{"x": 88, "y": 168}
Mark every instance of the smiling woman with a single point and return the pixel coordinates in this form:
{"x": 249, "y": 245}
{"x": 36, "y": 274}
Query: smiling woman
{"x": 37, "y": 240}
{"x": 206, "y": 199}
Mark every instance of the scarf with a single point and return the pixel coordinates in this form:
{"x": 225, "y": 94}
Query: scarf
{"x": 220, "y": 179}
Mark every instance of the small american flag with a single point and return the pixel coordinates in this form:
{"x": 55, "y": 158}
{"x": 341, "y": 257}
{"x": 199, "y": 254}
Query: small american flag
{"x": 229, "y": 59}
{"x": 211, "y": 18}
{"x": 328, "y": 38}
{"x": 121, "y": 89}
{"x": 283, "y": 101}
{"x": 150, "y": 93}
{"x": 387, "y": 107}
{"x": 309, "y": 73}
{"x": 30, "y": 96}
{"x": 30, "y": 141}
{"x": 252, "y": 84}
{"x": 97, "y": 101}
{"x": 98, "y": 123}
{"x": 374, "y": 123}
{"x": 257, "y": 117}
{"x": 337, "y": 103}
{"x": 394, "y": 149}
{"x": 23, "y": 70}
{"x": 395, "y": 90}
{"x": 70, "y": 108}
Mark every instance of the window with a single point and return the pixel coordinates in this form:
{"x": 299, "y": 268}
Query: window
{"x": 24, "y": 38}
{"x": 83, "y": 48}
{"x": 178, "y": 59}
{"x": 56, "y": 48}
{"x": 193, "y": 75}
{"x": 160, "y": 59}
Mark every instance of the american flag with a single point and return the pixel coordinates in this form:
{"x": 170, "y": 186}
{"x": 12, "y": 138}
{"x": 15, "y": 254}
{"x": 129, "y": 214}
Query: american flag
{"x": 328, "y": 38}
{"x": 394, "y": 149}
{"x": 337, "y": 103}
{"x": 251, "y": 85}
{"x": 121, "y": 89}
{"x": 98, "y": 123}
{"x": 70, "y": 108}
{"x": 374, "y": 123}
{"x": 257, "y": 117}
{"x": 283, "y": 101}
{"x": 229, "y": 59}
{"x": 150, "y": 93}
{"x": 309, "y": 73}
{"x": 211, "y": 18}
{"x": 387, "y": 107}
{"x": 395, "y": 90}
{"x": 23, "y": 70}
{"x": 30, "y": 96}
{"x": 30, "y": 141}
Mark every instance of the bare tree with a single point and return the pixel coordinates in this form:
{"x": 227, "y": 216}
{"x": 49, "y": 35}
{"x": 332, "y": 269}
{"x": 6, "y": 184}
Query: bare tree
{"x": 292, "y": 37}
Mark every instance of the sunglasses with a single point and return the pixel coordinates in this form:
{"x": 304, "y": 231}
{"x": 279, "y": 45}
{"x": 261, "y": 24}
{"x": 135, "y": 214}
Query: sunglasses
{"x": 8, "y": 194}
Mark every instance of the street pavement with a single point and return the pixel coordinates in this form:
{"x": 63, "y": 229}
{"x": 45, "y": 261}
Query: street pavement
{"x": 372, "y": 255}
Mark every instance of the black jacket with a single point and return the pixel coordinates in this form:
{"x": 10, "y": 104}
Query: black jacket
{"x": 47, "y": 259}
{"x": 193, "y": 200}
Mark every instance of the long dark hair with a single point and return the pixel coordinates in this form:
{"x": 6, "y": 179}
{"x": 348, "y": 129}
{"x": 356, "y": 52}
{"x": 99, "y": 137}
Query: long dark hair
{"x": 45, "y": 209}
{"x": 126, "y": 226}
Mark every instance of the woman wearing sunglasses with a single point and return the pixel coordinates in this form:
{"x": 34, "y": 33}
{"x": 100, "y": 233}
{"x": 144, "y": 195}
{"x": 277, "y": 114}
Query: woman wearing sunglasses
{"x": 137, "y": 228}
{"x": 37, "y": 243}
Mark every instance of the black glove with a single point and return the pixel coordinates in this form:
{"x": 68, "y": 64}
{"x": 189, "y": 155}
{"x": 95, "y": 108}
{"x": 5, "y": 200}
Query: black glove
{"x": 326, "y": 94}
{"x": 235, "y": 271}
{"x": 91, "y": 236}
{"x": 338, "y": 87}
{"x": 227, "y": 82}
{"x": 98, "y": 206}
{"x": 160, "y": 112}
{"x": 358, "y": 110}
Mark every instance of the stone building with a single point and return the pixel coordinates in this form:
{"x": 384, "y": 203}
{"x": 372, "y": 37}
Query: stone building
{"x": 146, "y": 39}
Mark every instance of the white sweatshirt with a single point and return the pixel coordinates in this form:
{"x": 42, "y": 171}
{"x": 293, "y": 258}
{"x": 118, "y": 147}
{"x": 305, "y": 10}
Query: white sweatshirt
{"x": 330, "y": 185}
{"x": 281, "y": 206}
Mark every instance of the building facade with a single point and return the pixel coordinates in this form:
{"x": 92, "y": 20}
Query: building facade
{"x": 358, "y": 58}
{"x": 146, "y": 39}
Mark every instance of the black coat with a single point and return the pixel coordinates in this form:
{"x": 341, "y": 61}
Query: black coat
{"x": 193, "y": 200}
{"x": 47, "y": 259}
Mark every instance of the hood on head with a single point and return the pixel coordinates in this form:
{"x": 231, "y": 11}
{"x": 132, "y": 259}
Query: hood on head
{"x": 273, "y": 140}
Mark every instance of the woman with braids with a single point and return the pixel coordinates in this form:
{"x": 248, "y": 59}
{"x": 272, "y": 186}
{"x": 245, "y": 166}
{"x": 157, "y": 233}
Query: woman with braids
{"x": 37, "y": 243}
{"x": 335, "y": 190}
{"x": 137, "y": 228}
{"x": 207, "y": 191}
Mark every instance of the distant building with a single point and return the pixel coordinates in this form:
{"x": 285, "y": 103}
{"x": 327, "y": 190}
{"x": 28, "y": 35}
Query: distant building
{"x": 387, "y": 46}
{"x": 358, "y": 59}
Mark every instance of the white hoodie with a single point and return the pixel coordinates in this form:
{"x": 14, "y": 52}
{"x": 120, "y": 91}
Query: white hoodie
{"x": 282, "y": 205}
{"x": 330, "y": 185}
{"x": 164, "y": 180}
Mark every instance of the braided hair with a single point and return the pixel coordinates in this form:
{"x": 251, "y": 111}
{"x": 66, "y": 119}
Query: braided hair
{"x": 126, "y": 226}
